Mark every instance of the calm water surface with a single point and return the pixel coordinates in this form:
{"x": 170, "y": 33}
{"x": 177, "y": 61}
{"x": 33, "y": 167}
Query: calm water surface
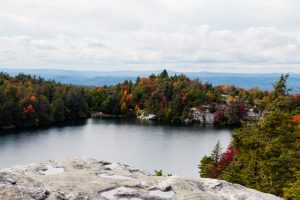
{"x": 174, "y": 149}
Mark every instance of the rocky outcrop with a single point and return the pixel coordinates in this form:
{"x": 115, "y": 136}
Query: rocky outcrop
{"x": 202, "y": 115}
{"x": 253, "y": 114}
{"x": 144, "y": 116}
{"x": 91, "y": 179}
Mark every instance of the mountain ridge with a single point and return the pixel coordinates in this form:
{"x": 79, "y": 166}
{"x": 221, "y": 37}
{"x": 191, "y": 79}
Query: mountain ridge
{"x": 100, "y": 78}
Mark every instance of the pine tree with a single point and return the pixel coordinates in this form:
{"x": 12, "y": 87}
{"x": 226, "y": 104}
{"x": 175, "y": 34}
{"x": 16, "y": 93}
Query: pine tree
{"x": 58, "y": 110}
{"x": 205, "y": 167}
{"x": 216, "y": 153}
{"x": 267, "y": 153}
{"x": 164, "y": 74}
{"x": 280, "y": 88}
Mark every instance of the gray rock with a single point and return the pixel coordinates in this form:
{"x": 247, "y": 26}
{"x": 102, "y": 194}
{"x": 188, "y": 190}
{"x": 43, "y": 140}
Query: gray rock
{"x": 5, "y": 180}
{"x": 88, "y": 179}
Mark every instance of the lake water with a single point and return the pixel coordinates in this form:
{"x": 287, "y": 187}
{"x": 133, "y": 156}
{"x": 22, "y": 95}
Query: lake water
{"x": 144, "y": 145}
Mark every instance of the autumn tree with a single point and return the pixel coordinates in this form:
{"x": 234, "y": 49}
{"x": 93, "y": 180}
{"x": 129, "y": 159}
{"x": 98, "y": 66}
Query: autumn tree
{"x": 266, "y": 152}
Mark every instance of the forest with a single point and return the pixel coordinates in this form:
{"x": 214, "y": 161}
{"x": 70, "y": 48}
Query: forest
{"x": 265, "y": 154}
{"x": 173, "y": 98}
{"x": 27, "y": 101}
{"x": 32, "y": 101}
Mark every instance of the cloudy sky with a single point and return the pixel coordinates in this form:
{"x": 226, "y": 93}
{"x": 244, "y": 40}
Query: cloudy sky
{"x": 191, "y": 35}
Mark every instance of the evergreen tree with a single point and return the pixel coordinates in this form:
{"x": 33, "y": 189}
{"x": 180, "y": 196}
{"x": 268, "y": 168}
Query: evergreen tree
{"x": 164, "y": 74}
{"x": 58, "y": 110}
{"x": 216, "y": 153}
{"x": 205, "y": 167}
{"x": 292, "y": 192}
{"x": 280, "y": 88}
{"x": 267, "y": 154}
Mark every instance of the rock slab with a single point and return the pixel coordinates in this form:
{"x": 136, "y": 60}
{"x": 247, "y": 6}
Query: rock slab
{"x": 88, "y": 179}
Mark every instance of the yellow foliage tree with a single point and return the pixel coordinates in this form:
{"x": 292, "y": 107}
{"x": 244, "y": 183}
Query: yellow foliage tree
{"x": 123, "y": 108}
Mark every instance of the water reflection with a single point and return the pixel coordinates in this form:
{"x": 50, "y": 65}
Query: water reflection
{"x": 145, "y": 145}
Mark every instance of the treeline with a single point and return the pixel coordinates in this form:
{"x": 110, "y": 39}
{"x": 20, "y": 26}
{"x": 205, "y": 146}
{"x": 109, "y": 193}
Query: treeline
{"x": 171, "y": 98}
{"x": 31, "y": 101}
{"x": 264, "y": 155}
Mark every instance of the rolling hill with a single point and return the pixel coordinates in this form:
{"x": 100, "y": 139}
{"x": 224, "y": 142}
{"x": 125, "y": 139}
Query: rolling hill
{"x": 100, "y": 78}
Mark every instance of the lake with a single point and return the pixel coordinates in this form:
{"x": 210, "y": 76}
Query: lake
{"x": 145, "y": 145}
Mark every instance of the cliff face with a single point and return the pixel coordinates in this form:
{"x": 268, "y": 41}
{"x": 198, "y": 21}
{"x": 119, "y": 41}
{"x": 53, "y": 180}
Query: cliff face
{"x": 92, "y": 179}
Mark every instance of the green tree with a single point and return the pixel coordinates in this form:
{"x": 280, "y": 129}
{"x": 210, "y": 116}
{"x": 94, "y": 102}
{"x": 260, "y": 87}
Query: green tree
{"x": 280, "y": 88}
{"x": 232, "y": 113}
{"x": 209, "y": 165}
{"x": 268, "y": 154}
{"x": 205, "y": 166}
{"x": 58, "y": 110}
{"x": 292, "y": 192}
{"x": 164, "y": 74}
{"x": 216, "y": 153}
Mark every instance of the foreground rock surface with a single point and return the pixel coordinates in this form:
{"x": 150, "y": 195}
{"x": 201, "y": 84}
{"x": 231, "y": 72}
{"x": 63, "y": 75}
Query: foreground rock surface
{"x": 92, "y": 179}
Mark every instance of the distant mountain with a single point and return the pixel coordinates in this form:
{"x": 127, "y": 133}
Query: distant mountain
{"x": 100, "y": 78}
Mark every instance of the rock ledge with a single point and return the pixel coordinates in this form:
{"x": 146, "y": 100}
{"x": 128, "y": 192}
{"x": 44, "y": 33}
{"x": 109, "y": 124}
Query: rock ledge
{"x": 91, "y": 179}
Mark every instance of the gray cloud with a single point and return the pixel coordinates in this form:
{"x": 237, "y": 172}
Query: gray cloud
{"x": 139, "y": 35}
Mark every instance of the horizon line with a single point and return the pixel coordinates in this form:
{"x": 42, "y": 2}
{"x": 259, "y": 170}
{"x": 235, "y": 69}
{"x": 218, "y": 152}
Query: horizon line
{"x": 145, "y": 71}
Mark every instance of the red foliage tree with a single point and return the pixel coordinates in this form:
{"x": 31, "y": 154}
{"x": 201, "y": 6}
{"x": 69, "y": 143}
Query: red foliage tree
{"x": 241, "y": 110}
{"x": 29, "y": 109}
{"x": 226, "y": 158}
{"x": 219, "y": 114}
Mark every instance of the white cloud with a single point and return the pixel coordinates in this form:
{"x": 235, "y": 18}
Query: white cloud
{"x": 190, "y": 35}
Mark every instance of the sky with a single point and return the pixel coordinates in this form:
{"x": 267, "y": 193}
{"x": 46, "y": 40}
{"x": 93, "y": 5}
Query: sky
{"x": 245, "y": 36}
